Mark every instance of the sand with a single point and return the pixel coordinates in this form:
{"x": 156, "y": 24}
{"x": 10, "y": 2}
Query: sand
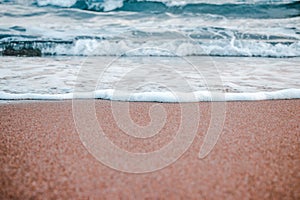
{"x": 256, "y": 157}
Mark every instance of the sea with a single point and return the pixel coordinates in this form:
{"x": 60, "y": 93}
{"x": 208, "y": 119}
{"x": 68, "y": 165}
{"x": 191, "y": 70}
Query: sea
{"x": 150, "y": 50}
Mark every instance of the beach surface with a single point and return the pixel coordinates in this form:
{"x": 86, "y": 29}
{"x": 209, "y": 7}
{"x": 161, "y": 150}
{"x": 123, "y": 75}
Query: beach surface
{"x": 256, "y": 157}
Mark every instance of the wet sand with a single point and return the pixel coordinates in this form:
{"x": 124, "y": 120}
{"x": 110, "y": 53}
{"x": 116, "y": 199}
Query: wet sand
{"x": 256, "y": 157}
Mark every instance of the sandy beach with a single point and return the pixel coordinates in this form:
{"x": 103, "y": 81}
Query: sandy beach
{"x": 256, "y": 157}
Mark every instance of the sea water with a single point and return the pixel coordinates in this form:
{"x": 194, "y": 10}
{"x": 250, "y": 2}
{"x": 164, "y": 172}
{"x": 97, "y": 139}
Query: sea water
{"x": 150, "y": 50}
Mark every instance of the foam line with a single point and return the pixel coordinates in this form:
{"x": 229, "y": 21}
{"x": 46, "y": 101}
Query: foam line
{"x": 197, "y": 96}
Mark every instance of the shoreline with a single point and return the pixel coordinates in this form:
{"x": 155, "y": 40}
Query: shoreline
{"x": 257, "y": 155}
{"x": 160, "y": 97}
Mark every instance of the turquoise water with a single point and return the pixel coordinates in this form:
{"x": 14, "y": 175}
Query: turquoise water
{"x": 260, "y": 28}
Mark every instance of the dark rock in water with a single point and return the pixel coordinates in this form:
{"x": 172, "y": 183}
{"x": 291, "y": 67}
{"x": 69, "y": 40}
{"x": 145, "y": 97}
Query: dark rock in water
{"x": 28, "y": 52}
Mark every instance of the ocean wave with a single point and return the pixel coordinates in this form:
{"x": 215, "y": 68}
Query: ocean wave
{"x": 229, "y": 8}
{"x": 103, "y": 47}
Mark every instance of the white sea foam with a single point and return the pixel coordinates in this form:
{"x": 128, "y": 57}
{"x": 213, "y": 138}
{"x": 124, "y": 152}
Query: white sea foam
{"x": 90, "y": 47}
{"x": 111, "y": 4}
{"x": 198, "y": 96}
{"x": 150, "y": 78}
{"x": 62, "y": 3}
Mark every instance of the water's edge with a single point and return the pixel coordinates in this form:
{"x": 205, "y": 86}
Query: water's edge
{"x": 199, "y": 96}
